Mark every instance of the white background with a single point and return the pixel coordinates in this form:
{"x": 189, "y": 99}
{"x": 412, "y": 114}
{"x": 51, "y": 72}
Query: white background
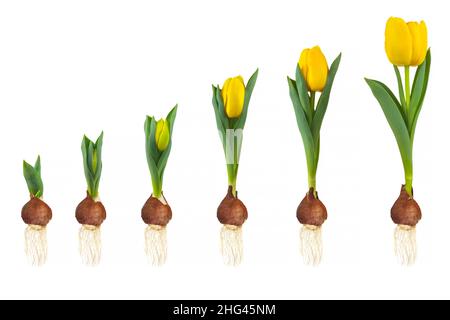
{"x": 74, "y": 67}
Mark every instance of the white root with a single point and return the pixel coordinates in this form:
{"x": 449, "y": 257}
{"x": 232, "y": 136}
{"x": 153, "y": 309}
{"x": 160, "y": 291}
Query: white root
{"x": 90, "y": 244}
{"x": 231, "y": 244}
{"x": 311, "y": 244}
{"x": 36, "y": 244}
{"x": 405, "y": 244}
{"x": 156, "y": 244}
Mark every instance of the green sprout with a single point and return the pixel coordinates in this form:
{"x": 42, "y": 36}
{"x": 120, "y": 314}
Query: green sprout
{"x": 33, "y": 178}
{"x": 158, "y": 143}
{"x": 92, "y": 161}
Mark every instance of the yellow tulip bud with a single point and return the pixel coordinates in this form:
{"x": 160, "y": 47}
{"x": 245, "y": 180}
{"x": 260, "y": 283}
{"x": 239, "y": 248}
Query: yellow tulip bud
{"x": 314, "y": 68}
{"x": 162, "y": 135}
{"x": 233, "y": 93}
{"x": 406, "y": 44}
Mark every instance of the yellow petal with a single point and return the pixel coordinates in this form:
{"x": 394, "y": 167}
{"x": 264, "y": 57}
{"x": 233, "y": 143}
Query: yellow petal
{"x": 162, "y": 135}
{"x": 419, "y": 42}
{"x": 398, "y": 42}
{"x": 233, "y": 94}
{"x": 303, "y": 63}
{"x": 225, "y": 90}
{"x": 317, "y": 69}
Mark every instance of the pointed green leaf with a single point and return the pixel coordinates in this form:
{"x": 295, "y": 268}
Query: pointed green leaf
{"x": 418, "y": 92}
{"x": 303, "y": 125}
{"x": 33, "y": 180}
{"x": 216, "y": 111}
{"x": 150, "y": 125}
{"x": 302, "y": 90}
{"x": 98, "y": 152}
{"x": 161, "y": 165}
{"x": 37, "y": 165}
{"x": 390, "y": 106}
{"x": 90, "y": 158}
{"x": 322, "y": 104}
{"x": 240, "y": 122}
{"x": 316, "y": 155}
{"x": 171, "y": 116}
{"x": 92, "y": 163}
{"x": 85, "y": 151}
{"x": 155, "y": 153}
{"x": 221, "y": 109}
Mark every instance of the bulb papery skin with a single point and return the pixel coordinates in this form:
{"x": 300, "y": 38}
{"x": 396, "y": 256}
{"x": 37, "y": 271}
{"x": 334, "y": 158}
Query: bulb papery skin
{"x": 311, "y": 211}
{"x": 90, "y": 211}
{"x": 231, "y": 210}
{"x": 156, "y": 211}
{"x": 36, "y": 212}
{"x": 406, "y": 210}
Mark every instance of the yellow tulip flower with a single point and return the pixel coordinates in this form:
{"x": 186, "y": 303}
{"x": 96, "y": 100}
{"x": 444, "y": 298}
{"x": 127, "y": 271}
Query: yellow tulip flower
{"x": 233, "y": 93}
{"x": 162, "y": 135}
{"x": 314, "y": 68}
{"x": 406, "y": 44}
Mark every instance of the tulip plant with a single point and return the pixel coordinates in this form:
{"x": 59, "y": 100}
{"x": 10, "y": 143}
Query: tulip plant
{"x": 312, "y": 76}
{"x": 406, "y": 46}
{"x": 90, "y": 212}
{"x": 230, "y": 108}
{"x": 36, "y": 214}
{"x": 156, "y": 212}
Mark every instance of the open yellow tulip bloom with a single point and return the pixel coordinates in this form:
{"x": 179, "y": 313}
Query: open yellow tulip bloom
{"x": 233, "y": 94}
{"x": 162, "y": 135}
{"x": 406, "y": 44}
{"x": 314, "y": 67}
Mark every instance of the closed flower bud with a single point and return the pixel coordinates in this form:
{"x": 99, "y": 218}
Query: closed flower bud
{"x": 314, "y": 68}
{"x": 162, "y": 135}
{"x": 406, "y": 44}
{"x": 233, "y": 93}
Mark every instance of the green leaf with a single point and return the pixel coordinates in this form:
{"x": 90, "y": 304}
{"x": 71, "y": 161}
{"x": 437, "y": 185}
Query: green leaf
{"x": 155, "y": 153}
{"x": 90, "y": 158}
{"x": 303, "y": 125}
{"x": 322, "y": 104}
{"x": 87, "y": 172}
{"x": 171, "y": 116}
{"x": 150, "y": 125}
{"x": 37, "y": 165}
{"x": 316, "y": 155}
{"x": 400, "y": 91}
{"x": 418, "y": 92}
{"x": 92, "y": 163}
{"x": 33, "y": 179}
{"x": 390, "y": 106}
{"x": 221, "y": 109}
{"x": 240, "y": 123}
{"x": 302, "y": 91}
{"x": 216, "y": 111}
{"x": 99, "y": 164}
{"x": 165, "y": 155}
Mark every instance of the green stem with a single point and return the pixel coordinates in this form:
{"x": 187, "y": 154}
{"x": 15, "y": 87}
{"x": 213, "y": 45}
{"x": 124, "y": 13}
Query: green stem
{"x": 232, "y": 176}
{"x": 157, "y": 188}
{"x": 312, "y": 102}
{"x": 311, "y": 181}
{"x": 409, "y": 181}
{"x": 407, "y": 89}
{"x": 92, "y": 193}
{"x": 409, "y": 167}
{"x": 312, "y": 171}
